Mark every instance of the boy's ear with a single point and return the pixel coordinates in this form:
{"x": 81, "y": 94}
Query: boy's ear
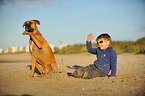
{"x": 110, "y": 43}
{"x": 38, "y": 22}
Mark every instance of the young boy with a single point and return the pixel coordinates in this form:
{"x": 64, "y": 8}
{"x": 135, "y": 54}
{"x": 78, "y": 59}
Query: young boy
{"x": 106, "y": 59}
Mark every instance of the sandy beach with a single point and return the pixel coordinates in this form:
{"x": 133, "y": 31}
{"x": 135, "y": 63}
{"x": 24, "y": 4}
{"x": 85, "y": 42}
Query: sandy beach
{"x": 14, "y": 69}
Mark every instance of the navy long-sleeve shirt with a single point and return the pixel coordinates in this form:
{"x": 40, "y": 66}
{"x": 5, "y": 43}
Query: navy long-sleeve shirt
{"x": 106, "y": 59}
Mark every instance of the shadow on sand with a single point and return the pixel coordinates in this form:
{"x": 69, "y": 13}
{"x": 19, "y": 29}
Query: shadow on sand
{"x": 19, "y": 95}
{"x": 74, "y": 67}
{"x": 36, "y": 70}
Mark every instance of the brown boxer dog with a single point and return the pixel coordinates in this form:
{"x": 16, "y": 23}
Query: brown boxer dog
{"x": 42, "y": 55}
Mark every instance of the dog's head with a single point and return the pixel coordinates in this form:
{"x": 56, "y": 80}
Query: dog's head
{"x": 30, "y": 26}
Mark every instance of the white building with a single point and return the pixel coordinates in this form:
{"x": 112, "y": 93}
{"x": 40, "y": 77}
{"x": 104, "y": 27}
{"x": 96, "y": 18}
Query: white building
{"x": 14, "y": 49}
{"x": 9, "y": 50}
{"x": 27, "y": 48}
{"x": 1, "y": 50}
{"x": 62, "y": 46}
{"x": 22, "y": 49}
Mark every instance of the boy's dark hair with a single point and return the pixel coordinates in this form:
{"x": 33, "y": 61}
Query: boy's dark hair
{"x": 105, "y": 36}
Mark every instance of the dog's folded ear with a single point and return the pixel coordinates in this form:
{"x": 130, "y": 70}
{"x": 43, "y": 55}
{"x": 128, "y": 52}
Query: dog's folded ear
{"x": 24, "y": 24}
{"x": 38, "y": 22}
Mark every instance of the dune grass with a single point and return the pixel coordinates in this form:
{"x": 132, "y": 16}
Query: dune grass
{"x": 137, "y": 47}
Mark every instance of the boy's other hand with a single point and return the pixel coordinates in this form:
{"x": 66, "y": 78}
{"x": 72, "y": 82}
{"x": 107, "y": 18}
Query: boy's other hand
{"x": 90, "y": 37}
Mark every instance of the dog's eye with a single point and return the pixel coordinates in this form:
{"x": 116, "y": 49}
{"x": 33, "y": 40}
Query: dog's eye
{"x": 30, "y": 23}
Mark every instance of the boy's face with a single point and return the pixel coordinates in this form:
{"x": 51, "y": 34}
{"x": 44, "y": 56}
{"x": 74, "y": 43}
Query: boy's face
{"x": 103, "y": 44}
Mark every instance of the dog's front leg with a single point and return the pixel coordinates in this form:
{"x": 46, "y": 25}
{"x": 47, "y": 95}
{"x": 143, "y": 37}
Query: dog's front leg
{"x": 30, "y": 49}
{"x": 33, "y": 67}
{"x": 33, "y": 37}
{"x": 35, "y": 40}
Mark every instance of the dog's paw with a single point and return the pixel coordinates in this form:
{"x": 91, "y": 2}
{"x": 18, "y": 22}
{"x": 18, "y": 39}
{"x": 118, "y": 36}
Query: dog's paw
{"x": 25, "y": 33}
{"x": 40, "y": 75}
{"x": 29, "y": 76}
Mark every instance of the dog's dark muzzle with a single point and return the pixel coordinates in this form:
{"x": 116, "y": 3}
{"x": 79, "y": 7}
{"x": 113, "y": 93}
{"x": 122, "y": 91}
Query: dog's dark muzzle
{"x": 28, "y": 28}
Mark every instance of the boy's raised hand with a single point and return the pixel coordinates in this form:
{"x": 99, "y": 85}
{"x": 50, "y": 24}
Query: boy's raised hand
{"x": 90, "y": 37}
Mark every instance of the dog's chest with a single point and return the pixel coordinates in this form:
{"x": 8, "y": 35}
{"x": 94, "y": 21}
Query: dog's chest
{"x": 36, "y": 51}
{"x": 33, "y": 48}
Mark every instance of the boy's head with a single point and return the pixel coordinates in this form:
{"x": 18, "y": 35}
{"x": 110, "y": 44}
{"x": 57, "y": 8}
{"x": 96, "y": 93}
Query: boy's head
{"x": 104, "y": 41}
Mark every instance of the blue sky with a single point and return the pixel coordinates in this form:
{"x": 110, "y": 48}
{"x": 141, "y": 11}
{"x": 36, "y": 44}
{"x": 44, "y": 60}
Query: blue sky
{"x": 70, "y": 21}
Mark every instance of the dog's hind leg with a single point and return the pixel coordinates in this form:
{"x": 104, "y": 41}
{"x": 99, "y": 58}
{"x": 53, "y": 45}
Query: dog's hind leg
{"x": 47, "y": 70}
{"x": 40, "y": 69}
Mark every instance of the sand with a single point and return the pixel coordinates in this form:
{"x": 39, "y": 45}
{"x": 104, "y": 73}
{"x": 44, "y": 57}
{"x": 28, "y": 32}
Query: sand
{"x": 14, "y": 69}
